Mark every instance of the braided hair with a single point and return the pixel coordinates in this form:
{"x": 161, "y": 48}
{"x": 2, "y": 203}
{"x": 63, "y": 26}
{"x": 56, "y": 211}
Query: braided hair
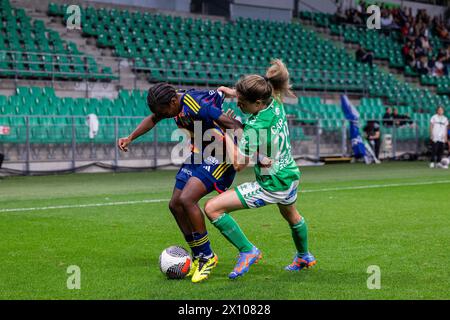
{"x": 159, "y": 96}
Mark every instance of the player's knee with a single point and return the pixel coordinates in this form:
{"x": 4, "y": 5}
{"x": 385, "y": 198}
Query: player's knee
{"x": 186, "y": 202}
{"x": 175, "y": 206}
{"x": 211, "y": 210}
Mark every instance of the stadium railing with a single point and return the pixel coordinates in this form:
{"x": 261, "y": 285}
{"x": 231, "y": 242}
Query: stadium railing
{"x": 33, "y": 140}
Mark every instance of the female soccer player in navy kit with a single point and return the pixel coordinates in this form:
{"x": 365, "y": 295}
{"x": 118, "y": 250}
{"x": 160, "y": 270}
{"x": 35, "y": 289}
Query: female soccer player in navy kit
{"x": 193, "y": 180}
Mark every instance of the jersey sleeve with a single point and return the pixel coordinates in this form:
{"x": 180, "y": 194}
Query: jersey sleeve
{"x": 205, "y": 106}
{"x": 210, "y": 112}
{"x": 248, "y": 144}
{"x": 212, "y": 104}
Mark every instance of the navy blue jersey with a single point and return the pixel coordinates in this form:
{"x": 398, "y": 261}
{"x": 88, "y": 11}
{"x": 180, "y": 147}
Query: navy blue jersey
{"x": 204, "y": 106}
{"x": 200, "y": 105}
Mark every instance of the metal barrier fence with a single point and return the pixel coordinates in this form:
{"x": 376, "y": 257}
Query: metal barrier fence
{"x": 42, "y": 141}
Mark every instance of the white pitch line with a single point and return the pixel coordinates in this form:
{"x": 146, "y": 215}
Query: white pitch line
{"x": 374, "y": 186}
{"x": 69, "y": 206}
{"x": 89, "y": 205}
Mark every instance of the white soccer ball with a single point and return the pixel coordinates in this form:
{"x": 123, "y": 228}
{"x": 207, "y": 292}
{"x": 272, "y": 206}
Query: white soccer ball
{"x": 175, "y": 262}
{"x": 445, "y": 162}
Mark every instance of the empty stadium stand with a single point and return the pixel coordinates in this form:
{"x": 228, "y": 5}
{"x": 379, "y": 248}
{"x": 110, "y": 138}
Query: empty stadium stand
{"x": 30, "y": 50}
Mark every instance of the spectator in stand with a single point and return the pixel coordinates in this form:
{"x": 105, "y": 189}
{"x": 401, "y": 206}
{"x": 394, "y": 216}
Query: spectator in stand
{"x": 438, "y": 135}
{"x": 353, "y": 16}
{"x": 405, "y": 120}
{"x": 439, "y": 68}
{"x": 422, "y": 66}
{"x": 408, "y": 53}
{"x": 373, "y": 136}
{"x": 440, "y": 29}
{"x": 364, "y": 56}
{"x": 416, "y": 32}
{"x": 396, "y": 117}
{"x": 386, "y": 18}
{"x": 422, "y": 46}
{"x": 405, "y": 30}
{"x": 340, "y": 15}
{"x": 425, "y": 42}
{"x": 388, "y": 118}
{"x": 446, "y": 53}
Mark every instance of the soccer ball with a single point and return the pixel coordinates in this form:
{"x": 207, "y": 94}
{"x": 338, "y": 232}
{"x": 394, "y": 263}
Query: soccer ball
{"x": 445, "y": 162}
{"x": 175, "y": 262}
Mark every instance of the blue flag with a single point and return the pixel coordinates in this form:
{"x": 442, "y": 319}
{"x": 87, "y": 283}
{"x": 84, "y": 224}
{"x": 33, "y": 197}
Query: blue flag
{"x": 352, "y": 115}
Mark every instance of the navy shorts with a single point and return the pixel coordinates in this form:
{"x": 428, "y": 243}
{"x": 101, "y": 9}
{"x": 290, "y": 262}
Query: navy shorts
{"x": 217, "y": 177}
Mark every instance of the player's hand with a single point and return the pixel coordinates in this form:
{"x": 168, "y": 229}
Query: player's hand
{"x": 123, "y": 143}
{"x": 265, "y": 162}
{"x": 230, "y": 113}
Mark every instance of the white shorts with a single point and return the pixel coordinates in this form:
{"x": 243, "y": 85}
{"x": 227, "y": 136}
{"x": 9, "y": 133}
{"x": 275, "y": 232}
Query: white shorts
{"x": 252, "y": 195}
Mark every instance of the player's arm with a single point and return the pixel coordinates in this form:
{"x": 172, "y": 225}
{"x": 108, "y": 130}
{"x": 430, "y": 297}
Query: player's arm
{"x": 228, "y": 122}
{"x": 145, "y": 126}
{"x": 238, "y": 160}
{"x": 240, "y": 156}
{"x": 229, "y": 92}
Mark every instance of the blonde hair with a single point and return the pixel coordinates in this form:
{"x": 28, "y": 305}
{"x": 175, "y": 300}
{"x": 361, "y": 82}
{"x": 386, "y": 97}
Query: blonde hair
{"x": 274, "y": 84}
{"x": 278, "y": 76}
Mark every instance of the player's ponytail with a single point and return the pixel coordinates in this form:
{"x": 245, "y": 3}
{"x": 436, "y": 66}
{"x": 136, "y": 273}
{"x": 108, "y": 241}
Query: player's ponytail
{"x": 278, "y": 76}
{"x": 274, "y": 84}
{"x": 159, "y": 96}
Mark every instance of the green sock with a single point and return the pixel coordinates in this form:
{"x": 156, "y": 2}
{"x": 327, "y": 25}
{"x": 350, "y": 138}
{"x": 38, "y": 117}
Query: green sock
{"x": 232, "y": 232}
{"x": 300, "y": 236}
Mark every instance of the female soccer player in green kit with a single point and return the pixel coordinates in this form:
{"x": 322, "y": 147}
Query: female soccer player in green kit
{"x": 265, "y": 133}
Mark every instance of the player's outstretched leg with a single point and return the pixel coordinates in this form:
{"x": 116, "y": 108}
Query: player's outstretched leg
{"x": 245, "y": 260}
{"x": 216, "y": 210}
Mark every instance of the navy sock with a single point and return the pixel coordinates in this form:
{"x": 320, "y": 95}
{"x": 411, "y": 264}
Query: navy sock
{"x": 202, "y": 244}
{"x": 190, "y": 239}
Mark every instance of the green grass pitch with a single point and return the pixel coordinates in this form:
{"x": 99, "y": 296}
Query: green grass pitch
{"x": 395, "y": 216}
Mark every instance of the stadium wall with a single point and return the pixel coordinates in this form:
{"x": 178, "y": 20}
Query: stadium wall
{"x": 175, "y": 5}
{"x": 326, "y": 6}
{"x": 262, "y": 9}
{"x": 329, "y": 6}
